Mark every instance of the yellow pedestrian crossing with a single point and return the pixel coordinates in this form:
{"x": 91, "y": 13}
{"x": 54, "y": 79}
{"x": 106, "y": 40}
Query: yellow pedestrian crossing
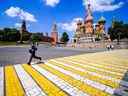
{"x": 95, "y": 74}
{"x": 46, "y": 85}
{"x": 119, "y": 60}
{"x": 77, "y": 83}
{"x": 100, "y": 64}
{"x": 109, "y": 61}
{"x": 12, "y": 83}
{"x": 89, "y": 76}
{"x": 93, "y": 67}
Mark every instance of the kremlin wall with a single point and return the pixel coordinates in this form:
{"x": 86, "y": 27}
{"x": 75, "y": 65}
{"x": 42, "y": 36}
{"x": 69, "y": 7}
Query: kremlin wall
{"x": 53, "y": 39}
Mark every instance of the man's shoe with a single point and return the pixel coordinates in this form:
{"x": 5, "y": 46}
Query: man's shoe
{"x": 28, "y": 63}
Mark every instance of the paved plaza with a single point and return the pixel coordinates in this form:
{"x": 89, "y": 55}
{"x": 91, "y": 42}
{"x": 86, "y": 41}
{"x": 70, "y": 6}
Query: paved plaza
{"x": 92, "y": 74}
{"x": 20, "y": 54}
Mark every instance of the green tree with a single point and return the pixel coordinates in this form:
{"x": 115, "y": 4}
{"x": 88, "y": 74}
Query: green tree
{"x": 26, "y": 36}
{"x": 64, "y": 38}
{"x": 1, "y": 35}
{"x": 35, "y": 38}
{"x": 118, "y": 30}
{"x": 9, "y": 34}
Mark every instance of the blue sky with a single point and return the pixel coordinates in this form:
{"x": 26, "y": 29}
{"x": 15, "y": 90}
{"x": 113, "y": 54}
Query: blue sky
{"x": 41, "y": 14}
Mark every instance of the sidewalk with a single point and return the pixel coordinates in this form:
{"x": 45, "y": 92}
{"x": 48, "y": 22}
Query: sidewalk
{"x": 2, "y": 46}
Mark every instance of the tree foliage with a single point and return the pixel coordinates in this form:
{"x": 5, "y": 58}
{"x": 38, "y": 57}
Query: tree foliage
{"x": 9, "y": 34}
{"x": 26, "y": 36}
{"x": 36, "y": 37}
{"x": 118, "y": 30}
{"x": 64, "y": 38}
{"x": 12, "y": 34}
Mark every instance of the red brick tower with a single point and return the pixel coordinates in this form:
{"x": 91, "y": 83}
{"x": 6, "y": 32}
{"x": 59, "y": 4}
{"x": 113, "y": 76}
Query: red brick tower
{"x": 54, "y": 34}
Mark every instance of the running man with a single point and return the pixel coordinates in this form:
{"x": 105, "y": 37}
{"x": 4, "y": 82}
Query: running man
{"x": 32, "y": 51}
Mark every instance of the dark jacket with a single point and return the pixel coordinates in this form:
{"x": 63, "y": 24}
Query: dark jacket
{"x": 33, "y": 49}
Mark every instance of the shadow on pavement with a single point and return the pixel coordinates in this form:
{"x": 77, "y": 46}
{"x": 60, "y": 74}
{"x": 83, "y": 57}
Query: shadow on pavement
{"x": 33, "y": 63}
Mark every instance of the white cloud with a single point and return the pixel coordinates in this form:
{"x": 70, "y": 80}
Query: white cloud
{"x": 69, "y": 26}
{"x": 17, "y": 12}
{"x": 51, "y": 3}
{"x": 17, "y": 25}
{"x": 104, "y": 5}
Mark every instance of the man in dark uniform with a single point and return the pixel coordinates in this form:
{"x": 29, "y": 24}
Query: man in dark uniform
{"x": 32, "y": 51}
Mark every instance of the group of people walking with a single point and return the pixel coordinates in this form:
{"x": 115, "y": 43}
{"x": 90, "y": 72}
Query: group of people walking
{"x": 110, "y": 47}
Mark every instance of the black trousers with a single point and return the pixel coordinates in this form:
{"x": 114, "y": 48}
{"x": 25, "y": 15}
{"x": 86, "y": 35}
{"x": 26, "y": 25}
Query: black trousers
{"x": 33, "y": 56}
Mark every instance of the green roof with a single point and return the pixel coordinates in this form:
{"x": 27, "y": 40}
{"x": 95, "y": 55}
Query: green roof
{"x": 102, "y": 19}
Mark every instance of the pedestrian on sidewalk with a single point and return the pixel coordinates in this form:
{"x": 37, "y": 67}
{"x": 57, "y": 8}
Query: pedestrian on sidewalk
{"x": 32, "y": 51}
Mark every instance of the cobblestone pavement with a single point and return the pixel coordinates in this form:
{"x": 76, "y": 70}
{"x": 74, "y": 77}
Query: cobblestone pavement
{"x": 93, "y": 74}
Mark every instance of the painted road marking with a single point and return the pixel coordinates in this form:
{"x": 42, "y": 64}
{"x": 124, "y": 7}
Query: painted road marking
{"x": 83, "y": 79}
{"x": 49, "y": 88}
{"x": 75, "y": 82}
{"x": 93, "y": 68}
{"x": 113, "y": 74}
{"x": 93, "y": 65}
{"x": 1, "y": 81}
{"x": 102, "y": 65}
{"x": 106, "y": 61}
{"x": 72, "y": 91}
{"x": 31, "y": 88}
{"x": 80, "y": 75}
{"x": 12, "y": 83}
{"x": 90, "y": 75}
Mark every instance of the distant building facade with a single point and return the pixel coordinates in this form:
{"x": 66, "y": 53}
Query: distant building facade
{"x": 100, "y": 28}
{"x": 86, "y": 31}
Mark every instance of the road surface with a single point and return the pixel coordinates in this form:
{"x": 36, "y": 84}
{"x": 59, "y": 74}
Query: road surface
{"x": 20, "y": 54}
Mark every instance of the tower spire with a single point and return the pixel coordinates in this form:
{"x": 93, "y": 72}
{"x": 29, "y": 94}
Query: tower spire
{"x": 89, "y": 20}
{"x": 54, "y": 28}
{"x": 89, "y": 8}
{"x": 89, "y": 16}
{"x": 23, "y": 26}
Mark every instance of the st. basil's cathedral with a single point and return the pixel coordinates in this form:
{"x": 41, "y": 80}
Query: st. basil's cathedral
{"x": 86, "y": 31}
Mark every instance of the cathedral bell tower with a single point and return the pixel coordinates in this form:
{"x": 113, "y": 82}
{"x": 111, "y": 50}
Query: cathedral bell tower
{"x": 85, "y": 30}
{"x": 89, "y": 21}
